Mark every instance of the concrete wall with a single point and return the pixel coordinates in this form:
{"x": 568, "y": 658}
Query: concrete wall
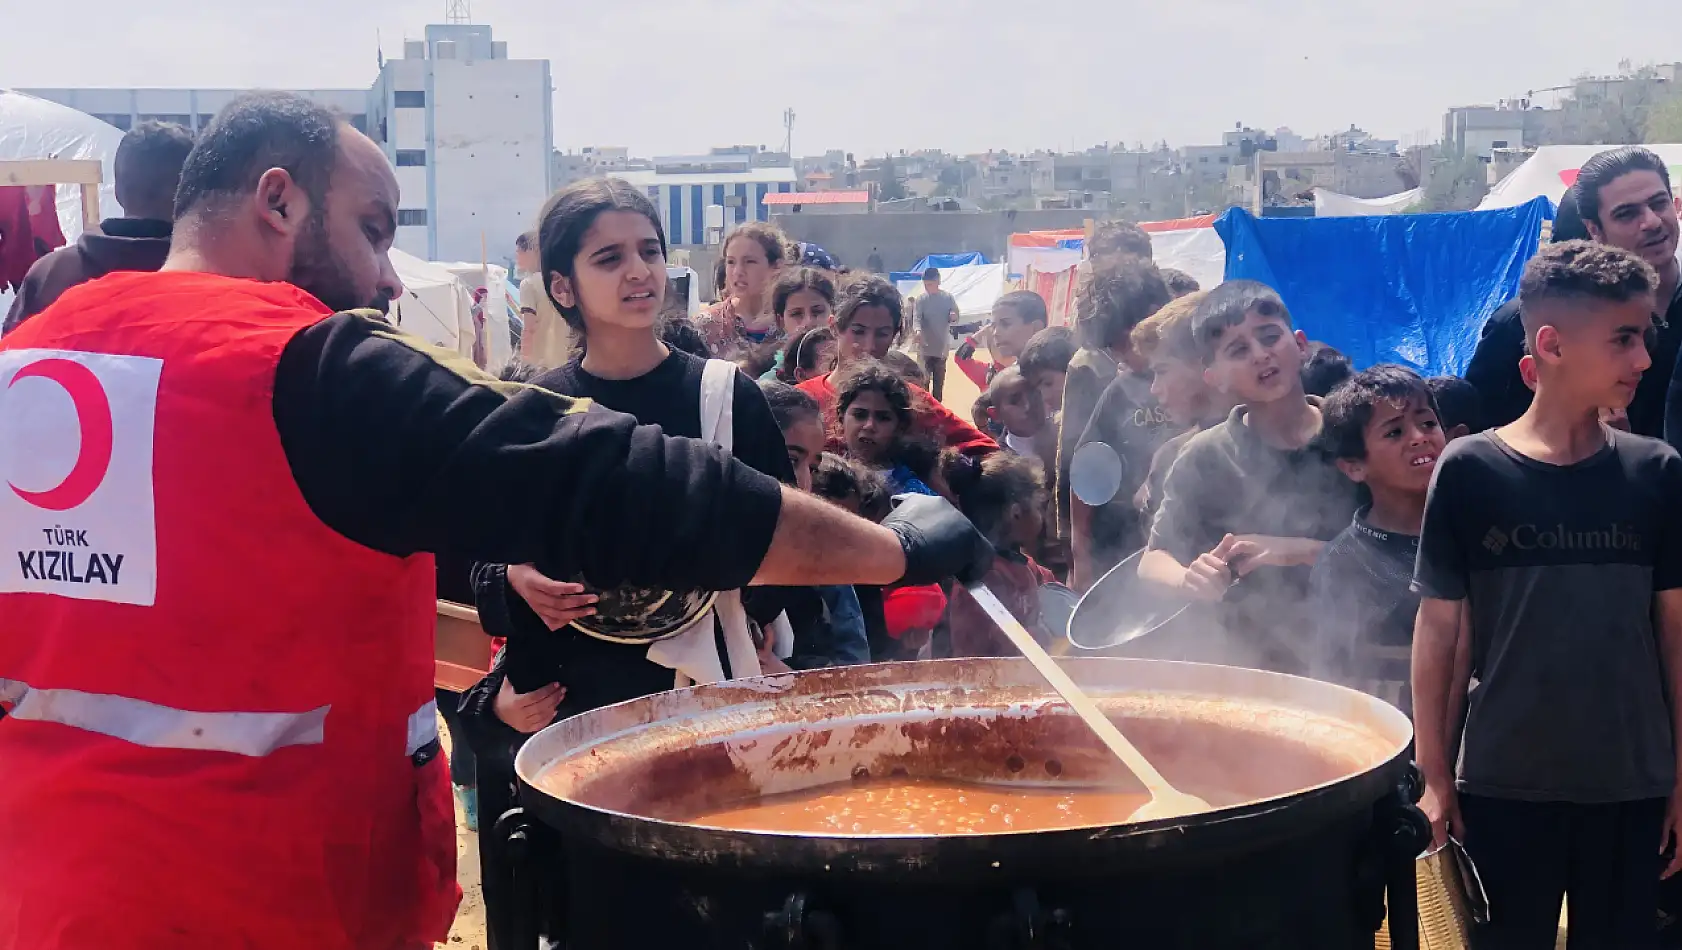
{"x": 904, "y": 239}
{"x": 491, "y": 153}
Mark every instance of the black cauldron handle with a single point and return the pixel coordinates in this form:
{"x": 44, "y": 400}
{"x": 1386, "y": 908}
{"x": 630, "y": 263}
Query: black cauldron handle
{"x": 1405, "y": 833}
{"x": 522, "y": 919}
{"x": 1027, "y": 926}
{"x": 797, "y": 927}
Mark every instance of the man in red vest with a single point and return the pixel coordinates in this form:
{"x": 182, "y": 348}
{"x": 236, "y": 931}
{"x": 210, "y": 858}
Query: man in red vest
{"x": 216, "y": 586}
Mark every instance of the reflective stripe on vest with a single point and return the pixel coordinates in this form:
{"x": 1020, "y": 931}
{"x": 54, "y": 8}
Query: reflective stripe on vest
{"x": 161, "y": 727}
{"x": 423, "y": 728}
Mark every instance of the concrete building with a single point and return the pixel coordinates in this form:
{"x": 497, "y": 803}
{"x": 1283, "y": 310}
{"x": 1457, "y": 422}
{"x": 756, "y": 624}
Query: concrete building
{"x": 817, "y": 202}
{"x": 468, "y": 130}
{"x": 591, "y": 161}
{"x": 1210, "y": 162}
{"x": 684, "y": 186}
{"x": 1480, "y": 130}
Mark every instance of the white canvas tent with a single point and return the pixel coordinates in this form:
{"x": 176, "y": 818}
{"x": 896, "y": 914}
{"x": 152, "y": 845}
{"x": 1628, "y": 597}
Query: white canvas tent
{"x": 435, "y": 306}
{"x": 975, "y": 286}
{"x": 1553, "y": 169}
{"x": 1331, "y": 204}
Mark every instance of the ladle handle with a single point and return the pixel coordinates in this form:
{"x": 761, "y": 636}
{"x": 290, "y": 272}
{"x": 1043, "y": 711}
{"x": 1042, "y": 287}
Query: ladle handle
{"x": 1077, "y": 699}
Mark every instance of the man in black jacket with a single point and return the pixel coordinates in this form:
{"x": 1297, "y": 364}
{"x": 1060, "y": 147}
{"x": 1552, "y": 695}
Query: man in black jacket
{"x": 1622, "y": 197}
{"x": 147, "y": 169}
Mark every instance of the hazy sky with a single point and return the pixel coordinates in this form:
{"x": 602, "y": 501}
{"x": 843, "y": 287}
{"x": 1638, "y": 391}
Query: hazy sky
{"x": 867, "y": 75}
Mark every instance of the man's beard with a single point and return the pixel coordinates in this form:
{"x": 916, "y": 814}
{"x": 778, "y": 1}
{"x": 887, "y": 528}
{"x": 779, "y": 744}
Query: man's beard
{"x": 316, "y": 269}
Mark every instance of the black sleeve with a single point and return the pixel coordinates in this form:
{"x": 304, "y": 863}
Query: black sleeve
{"x": 1441, "y": 571}
{"x": 1493, "y": 371}
{"x": 759, "y": 443}
{"x": 404, "y": 447}
{"x": 1673, "y": 405}
{"x": 1667, "y": 561}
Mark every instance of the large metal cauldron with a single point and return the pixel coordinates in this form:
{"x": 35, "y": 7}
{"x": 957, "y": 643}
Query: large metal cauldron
{"x": 1308, "y": 826}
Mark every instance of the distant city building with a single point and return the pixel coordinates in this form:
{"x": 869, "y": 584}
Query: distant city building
{"x": 684, "y": 186}
{"x": 468, "y": 131}
{"x": 817, "y": 202}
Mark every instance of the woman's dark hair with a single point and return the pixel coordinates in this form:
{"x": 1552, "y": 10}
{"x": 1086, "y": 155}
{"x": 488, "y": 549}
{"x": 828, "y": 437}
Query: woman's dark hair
{"x": 769, "y": 236}
{"x": 788, "y": 405}
{"x": 719, "y": 277}
{"x": 1608, "y": 166}
{"x": 988, "y": 488}
{"x": 1325, "y": 368}
{"x": 1113, "y": 299}
{"x": 1349, "y": 407}
{"x": 869, "y": 290}
{"x": 680, "y": 333}
{"x": 793, "y": 281}
{"x": 869, "y": 375}
{"x": 802, "y": 352}
{"x": 570, "y": 213}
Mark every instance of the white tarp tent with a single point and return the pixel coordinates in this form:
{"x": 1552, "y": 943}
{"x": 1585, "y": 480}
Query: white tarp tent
{"x": 435, "y": 306}
{"x": 1553, "y": 169}
{"x": 1331, "y": 204}
{"x": 495, "y": 318}
{"x": 975, "y": 286}
{"x": 1190, "y": 245}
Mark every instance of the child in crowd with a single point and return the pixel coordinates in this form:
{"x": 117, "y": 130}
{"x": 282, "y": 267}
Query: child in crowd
{"x": 802, "y": 298}
{"x": 1124, "y": 414}
{"x": 1382, "y": 428}
{"x": 875, "y": 408}
{"x": 828, "y": 623}
{"x": 809, "y": 354}
{"x": 1252, "y": 496}
{"x": 906, "y": 367}
{"x": 742, "y": 323}
{"x": 1165, "y": 342}
{"x": 1325, "y": 369}
{"x": 1017, "y": 316}
{"x": 1045, "y": 362}
{"x": 868, "y": 319}
{"x": 1459, "y": 406}
{"x": 1552, "y": 554}
{"x": 1004, "y": 496}
{"x": 1014, "y": 405}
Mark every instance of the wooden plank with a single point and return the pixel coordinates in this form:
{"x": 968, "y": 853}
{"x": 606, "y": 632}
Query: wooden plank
{"x": 90, "y": 208}
{"x": 51, "y": 171}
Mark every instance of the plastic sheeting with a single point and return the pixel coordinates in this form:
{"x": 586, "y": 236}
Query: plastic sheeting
{"x": 1196, "y": 251}
{"x": 1412, "y": 289}
{"x": 976, "y": 287}
{"x": 1331, "y": 204}
{"x": 1553, "y": 168}
{"x": 943, "y": 261}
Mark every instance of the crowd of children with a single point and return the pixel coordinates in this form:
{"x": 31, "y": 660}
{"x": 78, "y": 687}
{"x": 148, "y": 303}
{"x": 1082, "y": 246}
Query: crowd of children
{"x": 1359, "y": 527}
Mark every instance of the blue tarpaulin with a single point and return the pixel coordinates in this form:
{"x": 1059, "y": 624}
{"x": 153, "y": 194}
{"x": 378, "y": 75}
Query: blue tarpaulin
{"x": 960, "y": 259}
{"x": 1408, "y": 288}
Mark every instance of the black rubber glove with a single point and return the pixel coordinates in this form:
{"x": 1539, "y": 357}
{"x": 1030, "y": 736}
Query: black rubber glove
{"x": 939, "y": 541}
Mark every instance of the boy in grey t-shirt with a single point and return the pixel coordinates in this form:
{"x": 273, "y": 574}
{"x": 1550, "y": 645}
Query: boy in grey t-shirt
{"x": 1551, "y": 556}
{"x": 937, "y": 311}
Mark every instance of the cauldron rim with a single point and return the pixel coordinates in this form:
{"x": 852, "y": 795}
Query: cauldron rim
{"x": 1241, "y": 827}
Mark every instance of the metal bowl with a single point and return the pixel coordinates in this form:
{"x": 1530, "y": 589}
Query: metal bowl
{"x": 641, "y": 615}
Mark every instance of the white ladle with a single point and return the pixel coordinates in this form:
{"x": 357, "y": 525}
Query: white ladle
{"x": 1166, "y": 800}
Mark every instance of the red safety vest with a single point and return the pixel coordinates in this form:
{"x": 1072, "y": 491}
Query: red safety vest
{"x": 221, "y": 731}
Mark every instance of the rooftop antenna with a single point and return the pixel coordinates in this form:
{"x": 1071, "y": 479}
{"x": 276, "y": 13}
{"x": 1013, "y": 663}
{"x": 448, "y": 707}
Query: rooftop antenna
{"x": 788, "y": 132}
{"x": 458, "y": 11}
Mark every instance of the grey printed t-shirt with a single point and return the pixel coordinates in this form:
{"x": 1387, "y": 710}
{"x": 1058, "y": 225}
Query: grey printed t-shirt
{"x": 936, "y": 313}
{"x": 1560, "y": 563}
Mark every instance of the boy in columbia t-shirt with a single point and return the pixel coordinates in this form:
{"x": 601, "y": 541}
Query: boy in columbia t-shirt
{"x": 1552, "y": 548}
{"x": 1251, "y": 496}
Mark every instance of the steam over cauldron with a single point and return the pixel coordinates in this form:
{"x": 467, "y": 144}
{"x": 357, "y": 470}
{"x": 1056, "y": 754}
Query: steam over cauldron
{"x": 1311, "y": 823}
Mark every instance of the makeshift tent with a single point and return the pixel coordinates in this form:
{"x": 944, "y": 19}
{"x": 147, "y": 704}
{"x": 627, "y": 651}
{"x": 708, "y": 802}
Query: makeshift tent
{"x": 943, "y": 261}
{"x": 497, "y": 346}
{"x": 1190, "y": 245}
{"x": 1413, "y": 289}
{"x": 435, "y": 306}
{"x": 1553, "y": 168}
{"x": 1046, "y": 252}
{"x": 1330, "y": 204}
{"x": 975, "y": 286}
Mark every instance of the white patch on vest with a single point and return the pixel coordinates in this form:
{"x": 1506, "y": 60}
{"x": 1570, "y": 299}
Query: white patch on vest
{"x": 75, "y": 521}
{"x": 423, "y": 728}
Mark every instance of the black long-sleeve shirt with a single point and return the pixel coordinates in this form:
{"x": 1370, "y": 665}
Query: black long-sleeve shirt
{"x": 407, "y": 448}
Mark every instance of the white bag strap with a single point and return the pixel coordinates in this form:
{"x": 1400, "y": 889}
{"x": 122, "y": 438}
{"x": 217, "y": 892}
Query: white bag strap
{"x": 718, "y": 403}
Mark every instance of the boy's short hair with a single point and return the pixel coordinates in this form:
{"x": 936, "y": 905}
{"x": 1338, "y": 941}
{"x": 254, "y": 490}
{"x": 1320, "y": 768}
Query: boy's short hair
{"x": 1049, "y": 350}
{"x": 1119, "y": 237}
{"x": 1605, "y": 167}
{"x": 906, "y": 367}
{"x": 1349, "y": 408}
{"x": 1227, "y": 306}
{"x": 1027, "y": 304}
{"x": 1583, "y": 271}
{"x": 1112, "y": 300}
{"x": 1009, "y": 376}
{"x": 1458, "y": 402}
{"x": 1179, "y": 282}
{"x": 931, "y": 273}
{"x": 1325, "y": 368}
{"x": 1169, "y": 330}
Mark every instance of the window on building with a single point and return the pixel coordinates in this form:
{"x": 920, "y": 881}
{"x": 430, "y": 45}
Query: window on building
{"x": 1202, "y": 159}
{"x": 411, "y": 217}
{"x": 1226, "y": 160}
{"x": 122, "y": 121}
{"x": 411, "y": 157}
{"x": 409, "y": 100}
{"x": 1498, "y": 143}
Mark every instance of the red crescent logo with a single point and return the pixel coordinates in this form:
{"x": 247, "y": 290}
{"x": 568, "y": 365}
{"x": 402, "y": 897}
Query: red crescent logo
{"x": 93, "y": 415}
